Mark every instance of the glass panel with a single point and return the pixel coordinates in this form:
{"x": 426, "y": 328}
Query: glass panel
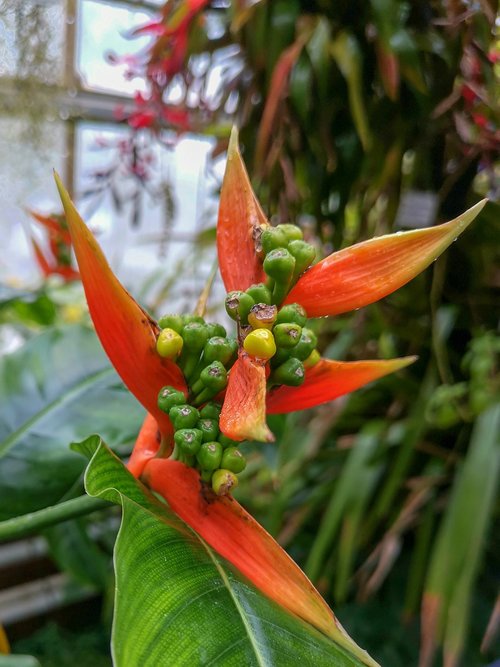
{"x": 26, "y": 182}
{"x": 158, "y": 248}
{"x": 103, "y": 29}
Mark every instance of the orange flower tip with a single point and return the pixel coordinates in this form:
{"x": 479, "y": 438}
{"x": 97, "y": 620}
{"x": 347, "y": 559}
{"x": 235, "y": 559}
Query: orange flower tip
{"x": 233, "y": 146}
{"x": 403, "y": 362}
{"x": 64, "y": 195}
{"x": 463, "y": 221}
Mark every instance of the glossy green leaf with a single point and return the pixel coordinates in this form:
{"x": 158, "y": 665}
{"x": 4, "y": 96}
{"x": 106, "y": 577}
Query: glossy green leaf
{"x": 318, "y": 49}
{"x": 349, "y": 499}
{"x": 301, "y": 86}
{"x": 178, "y": 602}
{"x": 59, "y": 387}
{"x": 460, "y": 543}
{"x": 18, "y": 661}
{"x": 348, "y": 56}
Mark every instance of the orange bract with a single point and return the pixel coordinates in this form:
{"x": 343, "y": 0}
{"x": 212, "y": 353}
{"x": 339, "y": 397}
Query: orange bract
{"x": 330, "y": 379}
{"x": 240, "y": 225}
{"x": 243, "y": 415}
{"x": 368, "y": 271}
{"x": 236, "y": 536}
{"x": 126, "y": 331}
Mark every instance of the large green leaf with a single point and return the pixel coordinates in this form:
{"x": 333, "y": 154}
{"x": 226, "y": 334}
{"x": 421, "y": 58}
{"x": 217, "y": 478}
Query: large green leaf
{"x": 59, "y": 387}
{"x": 179, "y": 603}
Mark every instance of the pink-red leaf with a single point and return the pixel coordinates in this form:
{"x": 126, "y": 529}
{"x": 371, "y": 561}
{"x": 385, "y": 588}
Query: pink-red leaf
{"x": 368, "y": 271}
{"x": 328, "y": 380}
{"x": 240, "y": 225}
{"x": 277, "y": 90}
{"x": 126, "y": 331}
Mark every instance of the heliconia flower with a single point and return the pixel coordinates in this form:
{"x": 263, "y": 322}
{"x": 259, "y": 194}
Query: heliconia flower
{"x": 348, "y": 279}
{"x": 56, "y": 258}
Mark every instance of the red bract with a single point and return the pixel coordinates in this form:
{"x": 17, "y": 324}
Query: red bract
{"x": 345, "y": 280}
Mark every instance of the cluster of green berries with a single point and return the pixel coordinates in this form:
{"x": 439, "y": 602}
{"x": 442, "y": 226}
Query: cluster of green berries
{"x": 205, "y": 354}
{"x": 199, "y": 442}
{"x": 268, "y": 331}
{"x": 202, "y": 350}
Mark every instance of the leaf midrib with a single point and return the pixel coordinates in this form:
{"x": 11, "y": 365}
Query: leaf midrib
{"x": 69, "y": 395}
{"x": 251, "y": 636}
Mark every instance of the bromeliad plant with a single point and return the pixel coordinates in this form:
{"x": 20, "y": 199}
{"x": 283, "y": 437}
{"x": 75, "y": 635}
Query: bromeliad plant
{"x": 206, "y": 392}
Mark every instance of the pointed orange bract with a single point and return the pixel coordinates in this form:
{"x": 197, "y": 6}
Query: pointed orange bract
{"x": 126, "y": 331}
{"x": 243, "y": 415}
{"x": 146, "y": 446}
{"x": 236, "y": 536}
{"x": 41, "y": 259}
{"x": 240, "y": 225}
{"x": 368, "y": 271}
{"x": 328, "y": 380}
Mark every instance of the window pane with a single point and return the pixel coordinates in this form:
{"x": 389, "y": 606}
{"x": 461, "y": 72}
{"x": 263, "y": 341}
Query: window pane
{"x": 102, "y": 29}
{"x": 161, "y": 247}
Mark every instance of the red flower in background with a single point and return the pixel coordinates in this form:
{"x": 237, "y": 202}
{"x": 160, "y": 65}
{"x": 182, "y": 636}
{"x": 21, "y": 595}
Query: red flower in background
{"x": 56, "y": 258}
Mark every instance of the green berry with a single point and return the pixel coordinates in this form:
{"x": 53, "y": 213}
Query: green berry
{"x": 292, "y": 312}
{"x": 215, "y": 329}
{"x": 188, "y": 440}
{"x": 214, "y": 376}
{"x": 209, "y": 455}
{"x": 168, "y": 397}
{"x": 272, "y": 238}
{"x": 223, "y": 481}
{"x": 220, "y": 349}
{"x": 279, "y": 264}
{"x": 233, "y": 460}
{"x": 187, "y": 319}
{"x": 209, "y": 429}
{"x": 210, "y": 411}
{"x": 238, "y": 305}
{"x": 291, "y": 232}
{"x": 304, "y": 254}
{"x": 183, "y": 416}
{"x": 195, "y": 335}
{"x": 281, "y": 356}
{"x": 307, "y": 343}
{"x": 226, "y": 442}
{"x": 260, "y": 293}
{"x": 174, "y": 322}
{"x": 290, "y": 373}
{"x": 169, "y": 344}
{"x": 287, "y": 335}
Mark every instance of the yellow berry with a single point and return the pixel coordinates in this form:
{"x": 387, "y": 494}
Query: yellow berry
{"x": 223, "y": 481}
{"x": 312, "y": 359}
{"x": 169, "y": 344}
{"x": 260, "y": 343}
